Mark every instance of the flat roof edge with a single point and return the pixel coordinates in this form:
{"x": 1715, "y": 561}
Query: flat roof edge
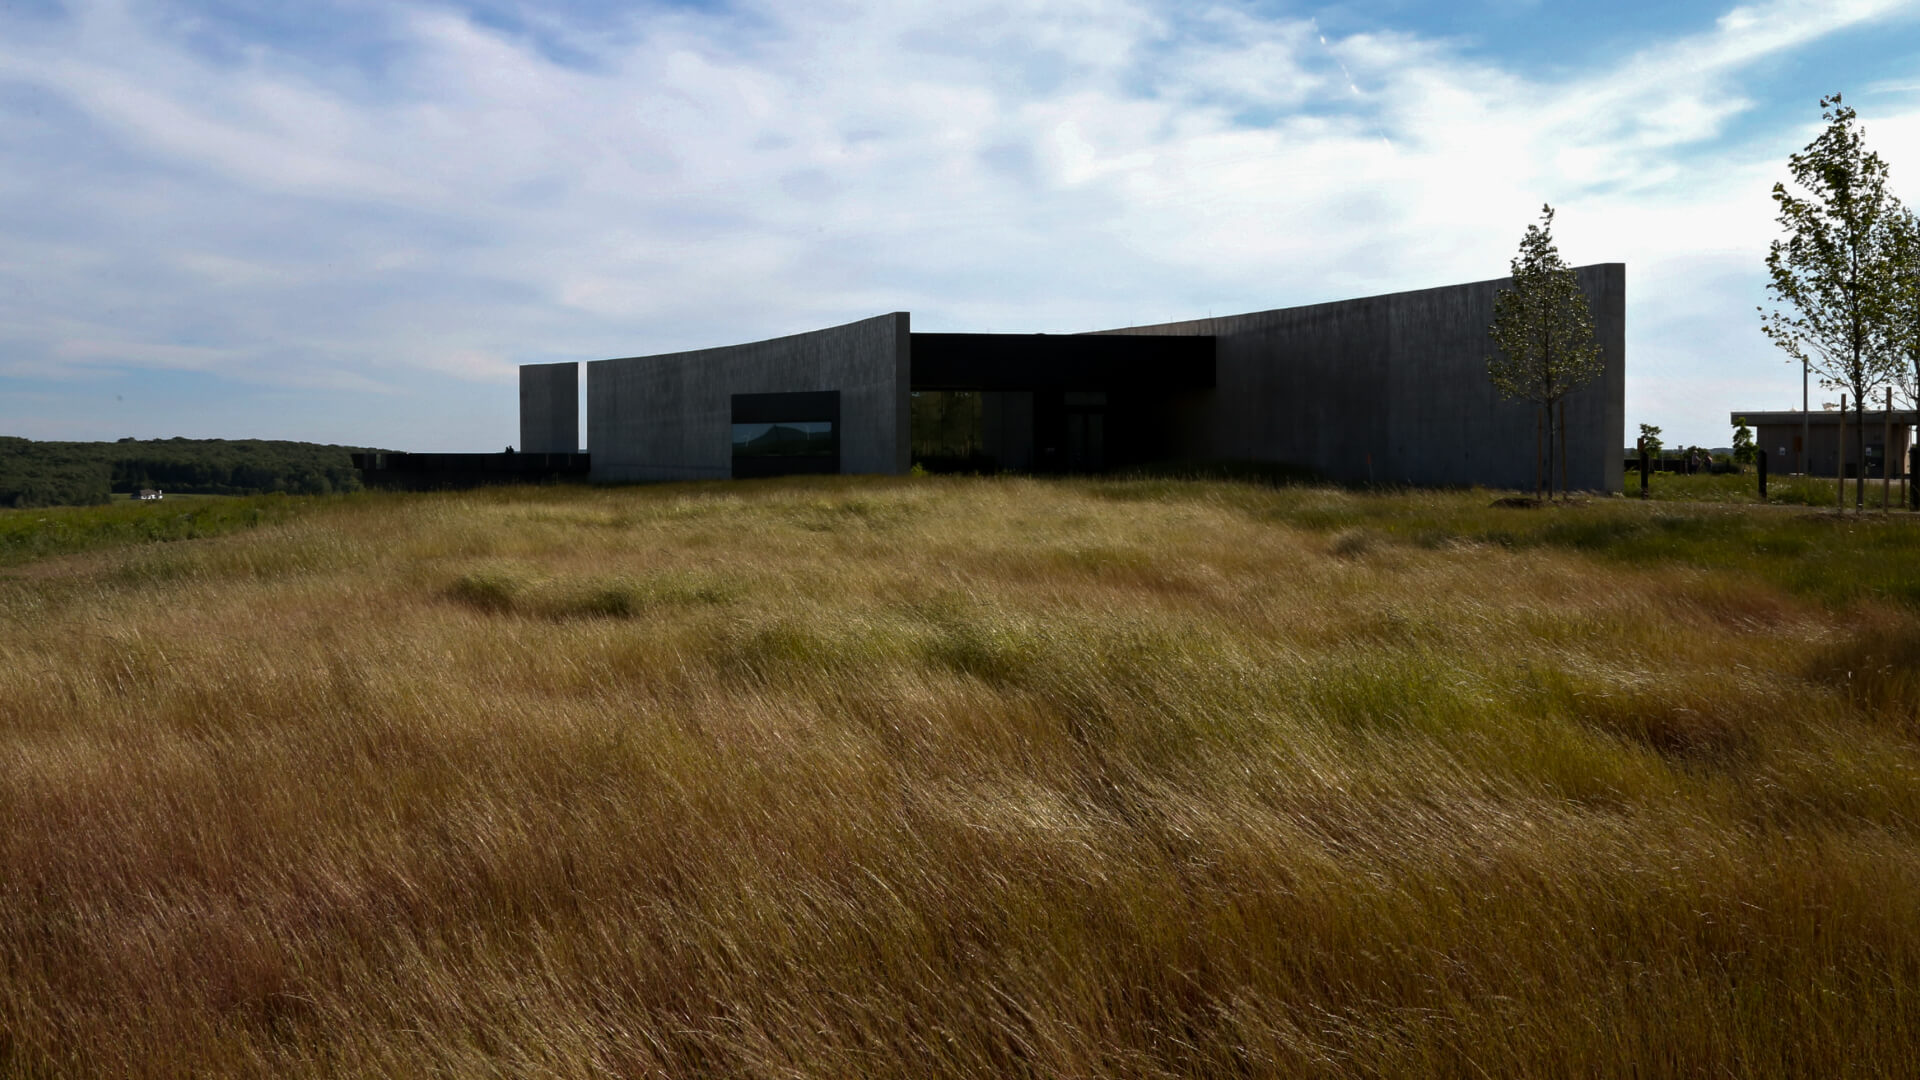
{"x": 1824, "y": 416}
{"x": 1345, "y": 300}
{"x": 760, "y": 341}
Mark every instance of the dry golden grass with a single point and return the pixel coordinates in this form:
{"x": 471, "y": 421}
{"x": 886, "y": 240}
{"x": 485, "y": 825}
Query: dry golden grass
{"x": 961, "y": 778}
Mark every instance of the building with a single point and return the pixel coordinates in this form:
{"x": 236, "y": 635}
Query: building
{"x": 1390, "y": 389}
{"x": 1781, "y": 435}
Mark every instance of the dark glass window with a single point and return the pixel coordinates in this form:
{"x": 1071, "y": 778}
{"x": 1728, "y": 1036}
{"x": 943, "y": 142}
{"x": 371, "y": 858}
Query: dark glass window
{"x": 947, "y": 429}
{"x": 779, "y": 434}
{"x": 785, "y": 438}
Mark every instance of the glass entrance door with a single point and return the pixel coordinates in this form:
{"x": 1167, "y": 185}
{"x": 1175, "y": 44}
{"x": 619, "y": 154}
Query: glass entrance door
{"x": 1086, "y": 431}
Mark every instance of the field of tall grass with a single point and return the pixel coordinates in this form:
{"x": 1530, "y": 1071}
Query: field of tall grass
{"x": 966, "y": 777}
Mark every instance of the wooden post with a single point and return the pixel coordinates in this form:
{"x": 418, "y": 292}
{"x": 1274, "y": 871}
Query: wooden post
{"x": 1763, "y": 476}
{"x": 1886, "y": 457}
{"x": 1840, "y": 444}
{"x": 1641, "y": 445}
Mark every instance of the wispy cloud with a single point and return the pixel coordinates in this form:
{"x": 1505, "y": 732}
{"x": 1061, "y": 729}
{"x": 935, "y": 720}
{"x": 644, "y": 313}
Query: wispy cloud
{"x": 178, "y": 192}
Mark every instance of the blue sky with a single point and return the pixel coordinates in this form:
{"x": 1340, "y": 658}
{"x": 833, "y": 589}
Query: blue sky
{"x": 349, "y": 221}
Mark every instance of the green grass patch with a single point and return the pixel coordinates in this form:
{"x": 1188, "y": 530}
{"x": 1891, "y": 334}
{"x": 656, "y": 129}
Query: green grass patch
{"x": 31, "y": 534}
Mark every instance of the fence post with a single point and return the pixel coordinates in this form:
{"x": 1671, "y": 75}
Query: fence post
{"x": 1840, "y": 444}
{"x": 1642, "y": 445}
{"x": 1763, "y": 476}
{"x": 1913, "y": 466}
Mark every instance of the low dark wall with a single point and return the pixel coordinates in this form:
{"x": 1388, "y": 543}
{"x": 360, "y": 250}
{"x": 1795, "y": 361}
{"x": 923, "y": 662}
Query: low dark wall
{"x": 436, "y": 472}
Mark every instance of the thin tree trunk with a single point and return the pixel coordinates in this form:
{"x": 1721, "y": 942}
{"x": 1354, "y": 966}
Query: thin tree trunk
{"x": 1546, "y": 457}
{"x": 1550, "y": 459}
{"x": 1860, "y": 453}
{"x": 1886, "y": 454}
{"x": 1563, "y": 447}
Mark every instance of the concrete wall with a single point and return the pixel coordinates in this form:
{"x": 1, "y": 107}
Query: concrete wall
{"x": 549, "y": 408}
{"x": 669, "y": 417}
{"x": 1401, "y": 378}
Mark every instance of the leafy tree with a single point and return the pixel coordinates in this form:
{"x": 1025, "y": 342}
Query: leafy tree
{"x": 1904, "y": 255}
{"x": 1543, "y": 331}
{"x": 1743, "y": 443}
{"x": 1650, "y": 438}
{"x": 1831, "y": 278}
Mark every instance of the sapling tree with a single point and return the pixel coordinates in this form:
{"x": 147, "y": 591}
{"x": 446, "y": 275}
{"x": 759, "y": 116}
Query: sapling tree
{"x": 1831, "y": 278}
{"x": 1742, "y": 443}
{"x": 1903, "y": 254}
{"x": 1650, "y": 438}
{"x": 1543, "y": 331}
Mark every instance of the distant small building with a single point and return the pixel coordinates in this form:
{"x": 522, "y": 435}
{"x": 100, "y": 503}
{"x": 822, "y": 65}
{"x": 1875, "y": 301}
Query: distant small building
{"x": 150, "y": 495}
{"x": 1804, "y": 442}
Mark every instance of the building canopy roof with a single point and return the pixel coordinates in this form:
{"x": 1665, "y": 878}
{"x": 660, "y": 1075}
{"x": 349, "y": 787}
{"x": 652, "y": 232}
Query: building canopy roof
{"x": 1823, "y": 416}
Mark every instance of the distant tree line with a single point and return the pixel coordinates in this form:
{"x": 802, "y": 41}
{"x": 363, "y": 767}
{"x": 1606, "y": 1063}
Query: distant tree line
{"x": 82, "y": 473}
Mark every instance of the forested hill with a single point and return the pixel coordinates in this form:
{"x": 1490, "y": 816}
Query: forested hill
{"x": 78, "y": 473}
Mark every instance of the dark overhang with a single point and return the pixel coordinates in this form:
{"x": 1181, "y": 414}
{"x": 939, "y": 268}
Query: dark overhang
{"x": 1062, "y": 361}
{"x": 428, "y": 472}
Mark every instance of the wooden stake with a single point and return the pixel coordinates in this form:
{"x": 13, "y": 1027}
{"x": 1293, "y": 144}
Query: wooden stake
{"x": 1886, "y": 457}
{"x": 1840, "y": 444}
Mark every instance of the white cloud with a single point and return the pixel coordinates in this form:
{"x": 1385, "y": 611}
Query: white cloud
{"x": 466, "y": 202}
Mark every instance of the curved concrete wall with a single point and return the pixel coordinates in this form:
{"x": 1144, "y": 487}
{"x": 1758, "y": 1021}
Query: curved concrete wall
{"x": 1402, "y": 379}
{"x": 669, "y": 417}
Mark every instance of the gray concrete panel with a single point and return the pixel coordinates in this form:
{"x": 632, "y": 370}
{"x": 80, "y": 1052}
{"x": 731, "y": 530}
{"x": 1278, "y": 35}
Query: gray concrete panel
{"x": 1394, "y": 388}
{"x": 550, "y": 408}
{"x": 669, "y": 417}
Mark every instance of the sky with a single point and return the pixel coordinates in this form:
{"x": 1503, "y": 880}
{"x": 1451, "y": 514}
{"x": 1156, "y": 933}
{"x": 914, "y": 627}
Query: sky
{"x": 349, "y": 221}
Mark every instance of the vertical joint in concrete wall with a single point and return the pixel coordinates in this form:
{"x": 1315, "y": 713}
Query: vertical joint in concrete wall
{"x": 550, "y": 408}
{"x": 903, "y": 392}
